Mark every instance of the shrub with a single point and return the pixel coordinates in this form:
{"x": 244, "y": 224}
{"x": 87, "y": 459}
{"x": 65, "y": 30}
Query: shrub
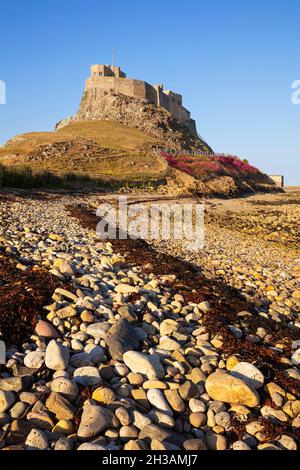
{"x": 199, "y": 166}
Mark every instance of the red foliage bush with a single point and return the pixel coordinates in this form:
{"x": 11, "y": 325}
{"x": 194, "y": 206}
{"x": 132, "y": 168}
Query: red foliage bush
{"x": 202, "y": 165}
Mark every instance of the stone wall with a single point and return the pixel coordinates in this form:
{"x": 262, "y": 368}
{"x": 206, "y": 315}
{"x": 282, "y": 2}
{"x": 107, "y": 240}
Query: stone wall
{"x": 107, "y": 78}
{"x": 278, "y": 180}
{"x": 126, "y": 86}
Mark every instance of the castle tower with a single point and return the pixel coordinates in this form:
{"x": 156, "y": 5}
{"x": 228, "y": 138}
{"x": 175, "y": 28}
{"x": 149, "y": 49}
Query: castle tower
{"x": 107, "y": 71}
{"x": 111, "y": 78}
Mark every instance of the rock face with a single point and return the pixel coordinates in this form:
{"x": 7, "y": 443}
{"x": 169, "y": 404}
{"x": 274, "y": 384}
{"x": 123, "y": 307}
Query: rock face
{"x": 228, "y": 389}
{"x": 155, "y": 121}
{"x": 145, "y": 364}
{"x": 121, "y": 338}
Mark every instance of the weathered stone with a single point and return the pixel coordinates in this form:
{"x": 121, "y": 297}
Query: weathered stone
{"x": 34, "y": 359}
{"x": 249, "y": 374}
{"x": 94, "y": 420}
{"x": 67, "y": 294}
{"x": 168, "y": 344}
{"x": 231, "y": 362}
{"x": 194, "y": 444}
{"x": 65, "y": 268}
{"x": 65, "y": 387}
{"x": 18, "y": 410}
{"x": 205, "y": 306}
{"x": 157, "y": 445}
{"x": 154, "y": 384}
{"x": 136, "y": 379}
{"x": 226, "y": 388}
{"x": 126, "y": 289}
{"x": 152, "y": 431}
{"x": 188, "y": 390}
{"x": 7, "y": 399}
{"x": 240, "y": 445}
{"x": 162, "y": 418}
{"x": 63, "y": 444}
{"x": 15, "y": 384}
{"x": 140, "y": 420}
{"x": 198, "y": 419}
{"x": 40, "y": 420}
{"x": 167, "y": 327}
{"x": 127, "y": 433}
{"x": 36, "y": 440}
{"x": 121, "y": 338}
{"x": 157, "y": 399}
{"x": 64, "y": 427}
{"x": 66, "y": 312}
{"x": 135, "y": 445}
{"x": 296, "y": 358}
{"x": 216, "y": 441}
{"x": 196, "y": 405}
{"x": 223, "y": 419}
{"x": 287, "y": 443}
{"x": 87, "y": 376}
{"x": 292, "y": 408}
{"x": 57, "y": 356}
{"x": 104, "y": 395}
{"x": 60, "y": 406}
{"x": 175, "y": 400}
{"x": 197, "y": 376}
{"x": 28, "y": 397}
{"x": 90, "y": 446}
{"x": 98, "y": 330}
{"x": 139, "y": 395}
{"x": 19, "y": 429}
{"x": 123, "y": 416}
{"x": 46, "y": 330}
{"x": 88, "y": 358}
{"x": 145, "y": 364}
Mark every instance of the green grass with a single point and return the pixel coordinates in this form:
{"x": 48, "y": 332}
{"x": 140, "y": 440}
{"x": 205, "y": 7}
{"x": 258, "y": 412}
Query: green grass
{"x": 24, "y": 178}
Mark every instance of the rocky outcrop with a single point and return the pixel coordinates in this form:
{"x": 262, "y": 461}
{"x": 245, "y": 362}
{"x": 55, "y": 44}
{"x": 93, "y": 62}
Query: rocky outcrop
{"x": 140, "y": 114}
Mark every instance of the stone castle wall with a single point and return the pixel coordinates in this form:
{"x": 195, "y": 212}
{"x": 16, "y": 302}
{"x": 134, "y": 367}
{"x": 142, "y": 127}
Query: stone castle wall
{"x": 278, "y": 180}
{"x": 107, "y": 78}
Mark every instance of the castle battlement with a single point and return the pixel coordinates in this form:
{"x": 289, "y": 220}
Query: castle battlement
{"x": 112, "y": 78}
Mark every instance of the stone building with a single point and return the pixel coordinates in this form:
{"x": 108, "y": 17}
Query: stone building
{"x": 108, "y": 78}
{"x": 278, "y": 180}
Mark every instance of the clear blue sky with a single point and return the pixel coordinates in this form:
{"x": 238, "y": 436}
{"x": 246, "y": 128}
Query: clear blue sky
{"x": 233, "y": 60}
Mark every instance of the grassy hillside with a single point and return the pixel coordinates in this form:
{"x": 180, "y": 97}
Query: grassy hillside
{"x": 95, "y": 149}
{"x": 112, "y": 155}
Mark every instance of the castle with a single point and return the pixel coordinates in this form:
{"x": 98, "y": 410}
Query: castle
{"x": 108, "y": 77}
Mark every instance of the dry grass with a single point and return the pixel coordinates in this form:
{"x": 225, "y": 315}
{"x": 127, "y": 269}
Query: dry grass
{"x": 107, "y": 134}
{"x": 121, "y": 157}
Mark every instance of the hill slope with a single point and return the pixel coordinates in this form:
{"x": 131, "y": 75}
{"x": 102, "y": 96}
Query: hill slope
{"x": 98, "y": 148}
{"x": 140, "y": 114}
{"x": 118, "y": 140}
